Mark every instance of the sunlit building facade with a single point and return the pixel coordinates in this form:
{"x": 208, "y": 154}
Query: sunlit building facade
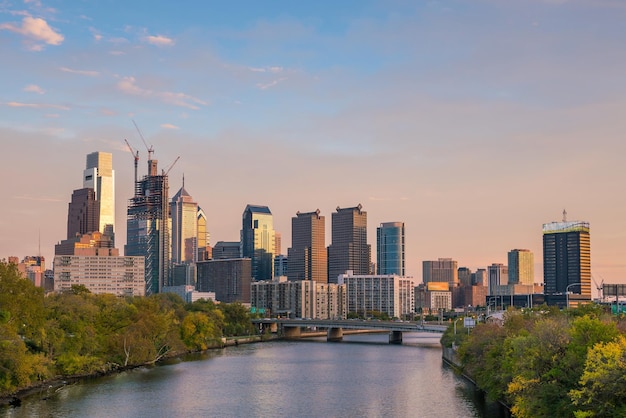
{"x": 258, "y": 241}
{"x": 184, "y": 214}
{"x": 390, "y": 294}
{"x": 349, "y": 250}
{"x": 118, "y": 275}
{"x": 441, "y": 270}
{"x": 307, "y": 254}
{"x": 567, "y": 259}
{"x": 100, "y": 176}
{"x": 521, "y": 267}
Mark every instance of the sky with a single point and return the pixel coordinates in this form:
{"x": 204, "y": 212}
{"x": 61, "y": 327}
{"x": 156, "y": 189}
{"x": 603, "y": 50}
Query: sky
{"x": 474, "y": 122}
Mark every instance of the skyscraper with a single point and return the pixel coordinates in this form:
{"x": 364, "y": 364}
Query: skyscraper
{"x": 390, "y": 248}
{"x": 567, "y": 258}
{"x": 498, "y": 278}
{"x": 203, "y": 236}
{"x": 184, "y": 213}
{"x": 441, "y": 270}
{"x": 100, "y": 176}
{"x": 147, "y": 232}
{"x": 308, "y": 259}
{"x": 521, "y": 267}
{"x": 349, "y": 250}
{"x": 258, "y": 241}
{"x": 83, "y": 214}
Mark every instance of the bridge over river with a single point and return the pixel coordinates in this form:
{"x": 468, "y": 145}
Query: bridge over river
{"x": 292, "y": 328}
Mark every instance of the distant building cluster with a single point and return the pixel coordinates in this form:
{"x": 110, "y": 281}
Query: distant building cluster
{"x": 168, "y": 249}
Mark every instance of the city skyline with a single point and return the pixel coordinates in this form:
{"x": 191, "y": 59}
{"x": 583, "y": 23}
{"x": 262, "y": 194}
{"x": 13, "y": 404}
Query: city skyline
{"x": 472, "y": 123}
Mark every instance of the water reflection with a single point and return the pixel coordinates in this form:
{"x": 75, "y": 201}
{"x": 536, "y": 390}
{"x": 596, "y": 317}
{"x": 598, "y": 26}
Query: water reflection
{"x": 363, "y": 376}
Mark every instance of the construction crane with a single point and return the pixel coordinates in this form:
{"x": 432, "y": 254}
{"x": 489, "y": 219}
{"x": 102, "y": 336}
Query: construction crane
{"x": 165, "y": 172}
{"x": 149, "y": 148}
{"x": 135, "y": 156}
{"x": 599, "y": 288}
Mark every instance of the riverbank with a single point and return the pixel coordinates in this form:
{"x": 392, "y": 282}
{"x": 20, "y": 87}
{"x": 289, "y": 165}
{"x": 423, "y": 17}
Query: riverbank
{"x": 48, "y": 387}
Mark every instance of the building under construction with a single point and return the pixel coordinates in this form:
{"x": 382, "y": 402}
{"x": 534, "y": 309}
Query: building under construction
{"x": 147, "y": 227}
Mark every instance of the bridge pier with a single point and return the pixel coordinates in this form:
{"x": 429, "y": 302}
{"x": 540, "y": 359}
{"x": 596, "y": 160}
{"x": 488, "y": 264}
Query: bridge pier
{"x": 334, "y": 334}
{"x": 395, "y": 337}
{"x": 292, "y": 332}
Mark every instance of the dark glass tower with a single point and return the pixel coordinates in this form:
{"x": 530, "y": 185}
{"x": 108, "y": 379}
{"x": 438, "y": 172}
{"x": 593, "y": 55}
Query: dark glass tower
{"x": 390, "y": 248}
{"x": 258, "y": 241}
{"x": 83, "y": 215}
{"x": 307, "y": 255}
{"x": 567, "y": 258}
{"x": 349, "y": 249}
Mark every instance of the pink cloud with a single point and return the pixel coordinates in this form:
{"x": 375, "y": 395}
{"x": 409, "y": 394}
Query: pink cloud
{"x": 159, "y": 40}
{"x": 35, "y": 30}
{"x": 128, "y": 85}
{"x": 33, "y": 88}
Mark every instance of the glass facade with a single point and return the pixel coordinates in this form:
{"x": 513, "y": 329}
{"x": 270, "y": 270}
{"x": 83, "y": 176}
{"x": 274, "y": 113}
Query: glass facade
{"x": 100, "y": 176}
{"x": 184, "y": 212}
{"x": 567, "y": 258}
{"x": 390, "y": 248}
{"x": 147, "y": 228}
{"x": 308, "y": 259}
{"x": 258, "y": 241}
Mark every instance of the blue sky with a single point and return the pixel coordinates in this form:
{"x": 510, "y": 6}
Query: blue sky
{"x": 474, "y": 122}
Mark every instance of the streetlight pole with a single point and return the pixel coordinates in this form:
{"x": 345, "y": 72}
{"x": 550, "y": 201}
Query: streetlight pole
{"x": 567, "y": 293}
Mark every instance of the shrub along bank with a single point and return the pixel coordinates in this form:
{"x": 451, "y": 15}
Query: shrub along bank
{"x": 543, "y": 362}
{"x": 79, "y": 333}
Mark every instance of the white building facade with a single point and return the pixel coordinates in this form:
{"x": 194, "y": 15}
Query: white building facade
{"x": 118, "y": 275}
{"x": 390, "y": 294}
{"x": 299, "y": 299}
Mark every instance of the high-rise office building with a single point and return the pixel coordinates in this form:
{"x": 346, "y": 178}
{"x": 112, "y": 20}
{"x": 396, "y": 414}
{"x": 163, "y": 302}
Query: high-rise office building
{"x": 567, "y": 258}
{"x": 390, "y": 248}
{"x": 83, "y": 214}
{"x": 100, "y": 176}
{"x": 441, "y": 270}
{"x": 184, "y": 213}
{"x": 226, "y": 249}
{"x": 307, "y": 255}
{"x": 204, "y": 250}
{"x": 521, "y": 267}
{"x": 147, "y": 232}
{"x": 498, "y": 278}
{"x": 349, "y": 250}
{"x": 258, "y": 241}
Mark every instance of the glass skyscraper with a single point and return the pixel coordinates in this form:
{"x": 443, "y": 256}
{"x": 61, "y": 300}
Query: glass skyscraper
{"x": 184, "y": 213}
{"x": 258, "y": 241}
{"x": 349, "y": 250}
{"x": 521, "y": 267}
{"x": 390, "y": 248}
{"x": 307, "y": 256}
{"x": 567, "y": 258}
{"x": 100, "y": 176}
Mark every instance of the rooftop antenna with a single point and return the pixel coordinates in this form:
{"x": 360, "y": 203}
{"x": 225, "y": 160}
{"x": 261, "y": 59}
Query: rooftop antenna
{"x": 564, "y": 215}
{"x": 149, "y": 148}
{"x": 39, "y": 248}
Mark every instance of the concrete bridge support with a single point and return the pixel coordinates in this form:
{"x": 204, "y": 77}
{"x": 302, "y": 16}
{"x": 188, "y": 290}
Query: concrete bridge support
{"x": 395, "y": 337}
{"x": 334, "y": 334}
{"x": 292, "y": 332}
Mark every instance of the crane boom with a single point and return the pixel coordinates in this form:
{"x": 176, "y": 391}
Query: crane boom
{"x": 165, "y": 173}
{"x": 135, "y": 155}
{"x": 149, "y": 148}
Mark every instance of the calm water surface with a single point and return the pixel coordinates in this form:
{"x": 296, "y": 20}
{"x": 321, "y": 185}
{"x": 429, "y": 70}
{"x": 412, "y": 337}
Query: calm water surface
{"x": 362, "y": 376}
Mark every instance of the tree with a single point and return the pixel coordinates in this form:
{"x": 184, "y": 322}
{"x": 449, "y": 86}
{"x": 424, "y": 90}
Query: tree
{"x": 603, "y": 382}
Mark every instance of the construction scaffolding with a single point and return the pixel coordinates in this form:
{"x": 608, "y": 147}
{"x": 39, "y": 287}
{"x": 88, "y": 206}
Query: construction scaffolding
{"x": 147, "y": 227}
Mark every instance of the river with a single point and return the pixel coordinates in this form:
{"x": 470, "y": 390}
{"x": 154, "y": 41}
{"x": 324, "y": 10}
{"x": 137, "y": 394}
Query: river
{"x": 363, "y": 376}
